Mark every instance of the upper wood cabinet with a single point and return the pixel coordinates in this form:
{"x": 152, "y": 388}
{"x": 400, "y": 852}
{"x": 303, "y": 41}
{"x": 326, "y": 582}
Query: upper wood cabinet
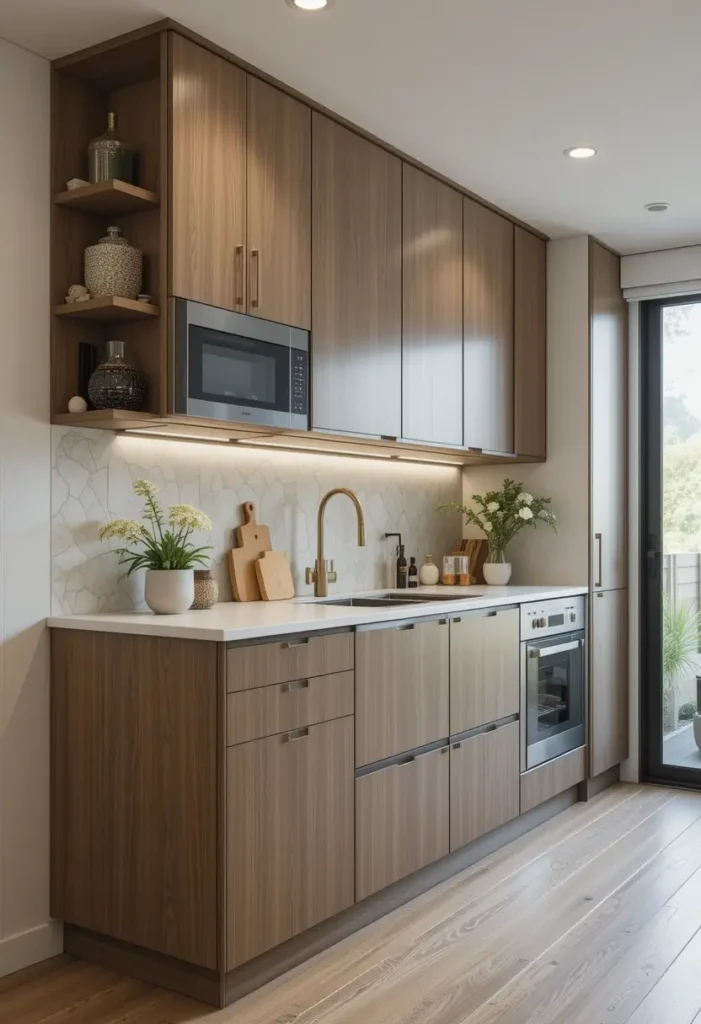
{"x": 608, "y": 670}
{"x": 432, "y": 407}
{"x": 529, "y": 343}
{"x": 357, "y": 287}
{"x": 484, "y": 669}
{"x": 489, "y": 329}
{"x": 609, "y": 421}
{"x": 279, "y": 206}
{"x": 208, "y": 190}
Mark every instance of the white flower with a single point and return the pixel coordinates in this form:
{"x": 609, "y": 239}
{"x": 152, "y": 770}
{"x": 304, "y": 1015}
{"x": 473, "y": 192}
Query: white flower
{"x": 525, "y": 513}
{"x": 145, "y": 489}
{"x": 493, "y": 506}
{"x": 188, "y": 517}
{"x": 127, "y": 530}
{"x": 525, "y": 499}
{"x": 487, "y": 527}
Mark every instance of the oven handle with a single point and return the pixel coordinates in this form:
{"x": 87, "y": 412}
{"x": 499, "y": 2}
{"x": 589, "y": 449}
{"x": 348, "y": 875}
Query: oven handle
{"x": 536, "y": 652}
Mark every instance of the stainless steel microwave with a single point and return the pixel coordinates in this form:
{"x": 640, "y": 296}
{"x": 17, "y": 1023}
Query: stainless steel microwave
{"x": 229, "y": 366}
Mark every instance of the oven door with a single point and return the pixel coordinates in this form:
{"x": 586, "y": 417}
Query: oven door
{"x": 230, "y": 366}
{"x": 553, "y": 698}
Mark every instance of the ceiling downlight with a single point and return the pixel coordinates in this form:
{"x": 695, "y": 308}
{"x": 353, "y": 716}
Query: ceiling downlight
{"x": 656, "y": 207}
{"x": 580, "y": 152}
{"x": 310, "y": 6}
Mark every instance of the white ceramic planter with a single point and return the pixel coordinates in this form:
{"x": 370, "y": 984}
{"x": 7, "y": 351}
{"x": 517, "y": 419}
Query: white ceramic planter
{"x": 497, "y": 574}
{"x": 169, "y": 591}
{"x": 697, "y": 730}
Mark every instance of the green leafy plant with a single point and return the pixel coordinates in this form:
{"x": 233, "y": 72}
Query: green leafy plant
{"x": 164, "y": 543}
{"x": 687, "y": 711}
{"x": 681, "y": 627}
{"x": 502, "y": 514}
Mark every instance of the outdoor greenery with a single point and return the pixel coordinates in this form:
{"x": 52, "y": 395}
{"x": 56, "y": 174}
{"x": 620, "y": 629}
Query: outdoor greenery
{"x": 687, "y": 711}
{"x": 681, "y": 627}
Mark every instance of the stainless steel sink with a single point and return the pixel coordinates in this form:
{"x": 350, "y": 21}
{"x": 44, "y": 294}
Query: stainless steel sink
{"x": 388, "y": 600}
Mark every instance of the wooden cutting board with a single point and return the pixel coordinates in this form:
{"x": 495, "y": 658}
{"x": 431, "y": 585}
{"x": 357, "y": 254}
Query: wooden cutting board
{"x": 476, "y": 551}
{"x": 253, "y": 539}
{"x": 275, "y": 577}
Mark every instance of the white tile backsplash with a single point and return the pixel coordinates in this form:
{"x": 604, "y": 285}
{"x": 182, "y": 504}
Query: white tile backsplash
{"x": 92, "y": 480}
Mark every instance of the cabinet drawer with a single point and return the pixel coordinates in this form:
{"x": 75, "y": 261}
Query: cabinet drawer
{"x": 289, "y": 858}
{"x": 484, "y": 665}
{"x": 251, "y": 714}
{"x": 401, "y": 689}
{"x": 484, "y": 783}
{"x": 401, "y": 820}
{"x": 547, "y": 780}
{"x": 285, "y": 660}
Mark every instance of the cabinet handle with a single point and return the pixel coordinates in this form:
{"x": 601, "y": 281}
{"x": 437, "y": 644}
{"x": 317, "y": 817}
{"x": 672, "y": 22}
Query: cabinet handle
{"x": 298, "y": 734}
{"x": 255, "y": 255}
{"x": 298, "y": 684}
{"x": 409, "y": 625}
{"x": 238, "y": 275}
{"x": 456, "y": 620}
{"x": 456, "y": 746}
{"x": 442, "y": 622}
{"x": 598, "y": 538}
{"x": 288, "y": 645}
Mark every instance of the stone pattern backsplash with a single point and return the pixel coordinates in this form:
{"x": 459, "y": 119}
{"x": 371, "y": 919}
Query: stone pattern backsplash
{"x": 92, "y": 479}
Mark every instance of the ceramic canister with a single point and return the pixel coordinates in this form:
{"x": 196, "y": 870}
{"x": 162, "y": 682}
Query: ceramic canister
{"x": 113, "y": 267}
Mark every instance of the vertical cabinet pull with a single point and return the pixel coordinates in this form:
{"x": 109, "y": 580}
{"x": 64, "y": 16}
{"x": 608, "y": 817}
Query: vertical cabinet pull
{"x": 238, "y": 275}
{"x": 599, "y": 540}
{"x": 255, "y": 278}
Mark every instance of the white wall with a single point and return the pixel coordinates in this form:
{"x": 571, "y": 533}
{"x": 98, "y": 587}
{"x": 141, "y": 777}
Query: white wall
{"x": 26, "y": 934}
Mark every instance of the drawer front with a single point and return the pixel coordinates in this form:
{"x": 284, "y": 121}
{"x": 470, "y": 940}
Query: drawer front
{"x": 286, "y": 660}
{"x": 484, "y": 783}
{"x": 547, "y": 780}
{"x": 402, "y": 683}
{"x": 251, "y": 714}
{"x": 485, "y": 669}
{"x": 401, "y": 820}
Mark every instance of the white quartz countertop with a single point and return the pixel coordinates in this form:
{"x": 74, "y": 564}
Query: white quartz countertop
{"x": 231, "y": 621}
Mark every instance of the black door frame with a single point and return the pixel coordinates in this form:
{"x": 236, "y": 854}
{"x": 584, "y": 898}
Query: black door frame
{"x": 652, "y": 768}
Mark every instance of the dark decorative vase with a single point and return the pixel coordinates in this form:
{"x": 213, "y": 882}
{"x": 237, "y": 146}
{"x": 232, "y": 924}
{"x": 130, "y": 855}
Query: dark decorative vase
{"x": 115, "y": 384}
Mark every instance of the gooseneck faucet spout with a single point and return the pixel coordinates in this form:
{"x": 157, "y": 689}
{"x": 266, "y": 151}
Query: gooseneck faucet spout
{"x": 323, "y": 573}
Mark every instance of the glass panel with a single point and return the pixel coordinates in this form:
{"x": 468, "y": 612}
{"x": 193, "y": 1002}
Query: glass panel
{"x": 234, "y": 374}
{"x": 553, "y": 710}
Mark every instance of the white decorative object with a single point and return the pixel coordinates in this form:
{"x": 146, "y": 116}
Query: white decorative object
{"x": 77, "y": 293}
{"x": 76, "y": 183}
{"x": 113, "y": 267}
{"x": 77, "y": 404}
{"x": 497, "y": 574}
{"x": 169, "y": 591}
{"x": 697, "y": 729}
{"x": 429, "y": 573}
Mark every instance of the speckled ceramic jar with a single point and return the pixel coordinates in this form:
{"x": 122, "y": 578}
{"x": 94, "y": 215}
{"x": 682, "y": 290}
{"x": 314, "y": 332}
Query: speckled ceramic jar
{"x": 206, "y": 590}
{"x": 113, "y": 267}
{"x": 115, "y": 384}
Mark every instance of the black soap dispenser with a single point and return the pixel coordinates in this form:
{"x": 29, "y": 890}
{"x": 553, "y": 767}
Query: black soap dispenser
{"x": 402, "y": 572}
{"x": 413, "y": 573}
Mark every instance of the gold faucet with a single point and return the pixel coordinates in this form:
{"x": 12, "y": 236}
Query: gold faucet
{"x": 323, "y": 572}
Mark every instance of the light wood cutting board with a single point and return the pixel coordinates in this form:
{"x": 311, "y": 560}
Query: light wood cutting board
{"x": 253, "y": 539}
{"x": 275, "y": 577}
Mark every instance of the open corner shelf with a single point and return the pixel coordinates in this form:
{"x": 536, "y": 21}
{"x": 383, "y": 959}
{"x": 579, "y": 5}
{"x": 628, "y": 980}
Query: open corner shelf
{"x": 108, "y": 197}
{"x": 107, "y": 419}
{"x": 108, "y": 308}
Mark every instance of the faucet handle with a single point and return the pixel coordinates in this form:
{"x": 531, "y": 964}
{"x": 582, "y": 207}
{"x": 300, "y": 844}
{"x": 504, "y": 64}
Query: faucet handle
{"x": 329, "y": 565}
{"x": 309, "y": 575}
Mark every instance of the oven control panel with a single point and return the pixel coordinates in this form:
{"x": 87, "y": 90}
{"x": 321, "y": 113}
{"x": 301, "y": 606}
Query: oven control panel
{"x": 548, "y": 618}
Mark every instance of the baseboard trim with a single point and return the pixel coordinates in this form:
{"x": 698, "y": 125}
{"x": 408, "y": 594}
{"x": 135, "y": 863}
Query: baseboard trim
{"x": 30, "y": 947}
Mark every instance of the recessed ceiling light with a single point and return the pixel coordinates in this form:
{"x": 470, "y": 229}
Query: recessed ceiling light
{"x": 310, "y": 5}
{"x": 580, "y": 152}
{"x": 656, "y": 207}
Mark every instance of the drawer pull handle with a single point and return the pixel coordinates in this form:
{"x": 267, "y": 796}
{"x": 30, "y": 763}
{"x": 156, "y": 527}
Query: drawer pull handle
{"x": 456, "y": 746}
{"x": 457, "y": 620}
{"x": 298, "y": 734}
{"x": 288, "y": 645}
{"x": 298, "y": 684}
{"x": 409, "y": 625}
{"x": 491, "y": 615}
{"x": 442, "y": 622}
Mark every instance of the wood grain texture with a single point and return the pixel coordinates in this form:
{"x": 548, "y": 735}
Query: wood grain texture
{"x": 281, "y": 661}
{"x": 134, "y": 828}
{"x": 484, "y": 783}
{"x": 547, "y": 780}
{"x": 529, "y": 344}
{"x": 279, "y": 214}
{"x": 275, "y": 576}
{"x": 401, "y": 687}
{"x": 253, "y": 714}
{"x": 489, "y": 329}
{"x": 484, "y": 669}
{"x": 289, "y": 836}
{"x": 253, "y": 538}
{"x": 608, "y": 680}
{"x": 432, "y": 344}
{"x": 357, "y": 286}
{"x": 402, "y": 820}
{"x": 208, "y": 176}
{"x": 609, "y": 421}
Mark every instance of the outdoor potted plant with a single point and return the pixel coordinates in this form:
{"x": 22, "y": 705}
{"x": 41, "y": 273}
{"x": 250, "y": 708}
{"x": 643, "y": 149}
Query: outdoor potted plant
{"x": 681, "y": 627}
{"x": 501, "y": 515}
{"x": 163, "y": 548}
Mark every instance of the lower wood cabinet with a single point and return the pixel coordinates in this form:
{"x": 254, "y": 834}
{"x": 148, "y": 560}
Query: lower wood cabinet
{"x": 289, "y": 835}
{"x": 401, "y": 689}
{"x": 484, "y": 783}
{"x": 608, "y": 669}
{"x": 484, "y": 668}
{"x": 402, "y": 820}
{"x": 547, "y": 780}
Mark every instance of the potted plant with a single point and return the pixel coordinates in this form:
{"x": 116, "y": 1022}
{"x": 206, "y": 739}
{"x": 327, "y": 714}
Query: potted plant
{"x": 163, "y": 548}
{"x": 680, "y": 643}
{"x": 501, "y": 515}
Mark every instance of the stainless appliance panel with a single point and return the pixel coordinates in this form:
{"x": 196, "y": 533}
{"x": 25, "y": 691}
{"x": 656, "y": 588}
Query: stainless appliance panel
{"x": 548, "y": 618}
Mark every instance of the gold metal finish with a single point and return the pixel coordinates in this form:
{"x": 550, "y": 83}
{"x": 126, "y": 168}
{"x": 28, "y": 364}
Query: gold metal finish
{"x": 238, "y": 275}
{"x": 255, "y": 255}
{"x": 322, "y": 574}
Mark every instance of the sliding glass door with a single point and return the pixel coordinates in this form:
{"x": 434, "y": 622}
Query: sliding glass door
{"x": 671, "y": 540}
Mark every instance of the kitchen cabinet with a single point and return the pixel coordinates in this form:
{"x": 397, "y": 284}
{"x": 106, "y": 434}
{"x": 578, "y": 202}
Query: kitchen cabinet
{"x": 208, "y": 189}
{"x": 401, "y": 688}
{"x": 357, "y": 286}
{"x": 484, "y": 783}
{"x": 290, "y": 856}
{"x": 280, "y": 661}
{"x": 609, "y": 421}
{"x": 484, "y": 668}
{"x": 432, "y": 342}
{"x": 488, "y": 267}
{"x": 608, "y": 672}
{"x": 529, "y": 343}
{"x": 547, "y": 780}
{"x": 402, "y": 820}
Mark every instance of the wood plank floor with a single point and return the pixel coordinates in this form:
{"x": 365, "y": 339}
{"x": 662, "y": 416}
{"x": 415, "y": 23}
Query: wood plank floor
{"x": 592, "y": 918}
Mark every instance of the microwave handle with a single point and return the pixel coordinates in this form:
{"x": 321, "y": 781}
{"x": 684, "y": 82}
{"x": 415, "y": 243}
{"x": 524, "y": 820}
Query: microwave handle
{"x": 537, "y": 652}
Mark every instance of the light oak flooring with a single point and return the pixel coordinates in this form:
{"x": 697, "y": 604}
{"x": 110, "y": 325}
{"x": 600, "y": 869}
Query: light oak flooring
{"x": 592, "y": 918}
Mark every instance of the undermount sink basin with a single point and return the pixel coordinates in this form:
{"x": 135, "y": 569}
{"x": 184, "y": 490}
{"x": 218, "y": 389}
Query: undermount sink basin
{"x": 388, "y": 600}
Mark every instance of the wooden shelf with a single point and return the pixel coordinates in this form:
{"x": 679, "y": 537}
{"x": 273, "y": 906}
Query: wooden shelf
{"x": 109, "y": 308}
{"x": 107, "y": 419}
{"x": 108, "y": 197}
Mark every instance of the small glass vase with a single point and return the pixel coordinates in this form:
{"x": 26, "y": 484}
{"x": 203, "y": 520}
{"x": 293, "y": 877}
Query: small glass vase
{"x": 496, "y": 568}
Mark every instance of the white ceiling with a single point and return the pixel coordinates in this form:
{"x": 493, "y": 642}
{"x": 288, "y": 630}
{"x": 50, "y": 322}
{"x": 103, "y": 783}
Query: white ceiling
{"x": 487, "y": 91}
